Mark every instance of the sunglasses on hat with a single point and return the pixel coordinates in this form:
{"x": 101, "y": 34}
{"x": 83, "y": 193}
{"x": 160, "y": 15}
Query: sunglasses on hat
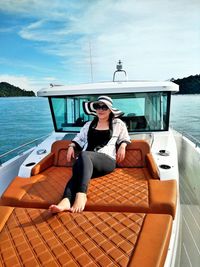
{"x": 98, "y": 106}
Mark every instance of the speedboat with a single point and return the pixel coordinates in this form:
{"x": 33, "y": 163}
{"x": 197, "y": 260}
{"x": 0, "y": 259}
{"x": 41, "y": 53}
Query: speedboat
{"x": 132, "y": 216}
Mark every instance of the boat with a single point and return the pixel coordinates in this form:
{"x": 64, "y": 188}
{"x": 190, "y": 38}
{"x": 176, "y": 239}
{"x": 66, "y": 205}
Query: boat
{"x": 133, "y": 216}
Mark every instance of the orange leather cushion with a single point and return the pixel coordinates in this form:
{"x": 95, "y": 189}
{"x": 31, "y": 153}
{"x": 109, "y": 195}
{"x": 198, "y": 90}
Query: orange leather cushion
{"x": 33, "y": 237}
{"x": 39, "y": 191}
{"x": 163, "y": 196}
{"x": 4, "y": 215}
{"x": 135, "y": 154}
{"x": 125, "y": 189}
{"x": 60, "y": 149}
{"x": 44, "y": 164}
{"x": 152, "y": 246}
{"x": 152, "y": 167}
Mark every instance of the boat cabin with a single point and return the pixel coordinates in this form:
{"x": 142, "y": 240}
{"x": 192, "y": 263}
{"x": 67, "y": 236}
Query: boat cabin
{"x": 146, "y": 105}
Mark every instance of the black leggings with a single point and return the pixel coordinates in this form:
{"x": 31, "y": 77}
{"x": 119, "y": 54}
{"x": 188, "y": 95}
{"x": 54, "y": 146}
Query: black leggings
{"x": 88, "y": 165}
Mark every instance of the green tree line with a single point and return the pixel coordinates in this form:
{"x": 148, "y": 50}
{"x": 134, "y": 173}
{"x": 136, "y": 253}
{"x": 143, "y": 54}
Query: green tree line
{"x": 7, "y": 90}
{"x": 188, "y": 85}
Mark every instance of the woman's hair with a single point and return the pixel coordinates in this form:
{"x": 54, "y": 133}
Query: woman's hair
{"x": 95, "y": 121}
{"x": 111, "y": 117}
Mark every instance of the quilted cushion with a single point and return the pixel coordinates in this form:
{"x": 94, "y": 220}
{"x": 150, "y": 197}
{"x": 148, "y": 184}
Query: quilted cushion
{"x": 36, "y": 238}
{"x": 135, "y": 154}
{"x": 39, "y": 191}
{"x": 125, "y": 189}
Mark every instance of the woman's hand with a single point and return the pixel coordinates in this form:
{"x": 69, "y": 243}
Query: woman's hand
{"x": 70, "y": 153}
{"x": 121, "y": 152}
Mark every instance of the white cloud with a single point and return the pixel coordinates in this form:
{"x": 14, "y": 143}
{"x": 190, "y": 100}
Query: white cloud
{"x": 150, "y": 36}
{"x": 20, "y": 81}
{"x": 23, "y": 82}
{"x": 44, "y": 9}
{"x": 29, "y": 83}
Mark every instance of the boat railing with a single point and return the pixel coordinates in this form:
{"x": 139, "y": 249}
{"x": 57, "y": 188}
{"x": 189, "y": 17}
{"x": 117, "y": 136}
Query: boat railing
{"x": 191, "y": 138}
{"x": 21, "y": 149}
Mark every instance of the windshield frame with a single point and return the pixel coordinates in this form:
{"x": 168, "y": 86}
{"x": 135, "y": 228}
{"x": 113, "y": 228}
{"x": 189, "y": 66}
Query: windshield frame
{"x": 167, "y": 119}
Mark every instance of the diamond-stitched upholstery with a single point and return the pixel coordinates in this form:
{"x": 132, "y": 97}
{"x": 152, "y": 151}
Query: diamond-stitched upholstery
{"x": 40, "y": 191}
{"x": 59, "y": 148}
{"x": 69, "y": 239}
{"x": 50, "y": 188}
{"x": 33, "y": 237}
{"x": 125, "y": 189}
{"x": 108, "y": 233}
{"x": 135, "y": 154}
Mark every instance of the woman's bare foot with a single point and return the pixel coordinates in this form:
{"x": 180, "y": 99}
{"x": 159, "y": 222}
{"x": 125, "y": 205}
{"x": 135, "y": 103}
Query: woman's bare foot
{"x": 79, "y": 203}
{"x": 63, "y": 205}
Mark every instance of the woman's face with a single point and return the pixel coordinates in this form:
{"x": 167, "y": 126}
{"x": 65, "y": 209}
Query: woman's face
{"x": 102, "y": 111}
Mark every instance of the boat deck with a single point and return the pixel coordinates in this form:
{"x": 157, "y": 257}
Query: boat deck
{"x": 190, "y": 208}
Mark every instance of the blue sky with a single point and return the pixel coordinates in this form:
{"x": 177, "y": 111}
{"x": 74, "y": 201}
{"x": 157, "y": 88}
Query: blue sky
{"x": 44, "y": 41}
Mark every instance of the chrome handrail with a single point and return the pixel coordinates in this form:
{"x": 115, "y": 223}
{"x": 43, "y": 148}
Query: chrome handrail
{"x": 188, "y": 136}
{"x": 191, "y": 138}
{"x": 21, "y": 146}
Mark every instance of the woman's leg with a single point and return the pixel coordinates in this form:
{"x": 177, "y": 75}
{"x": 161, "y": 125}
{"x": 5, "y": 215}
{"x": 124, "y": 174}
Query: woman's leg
{"x": 91, "y": 164}
{"x": 87, "y": 165}
{"x": 69, "y": 192}
{"x": 63, "y": 205}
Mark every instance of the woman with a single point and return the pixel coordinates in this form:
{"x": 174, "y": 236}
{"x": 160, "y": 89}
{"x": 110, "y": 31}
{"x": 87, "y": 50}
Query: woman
{"x": 98, "y": 140}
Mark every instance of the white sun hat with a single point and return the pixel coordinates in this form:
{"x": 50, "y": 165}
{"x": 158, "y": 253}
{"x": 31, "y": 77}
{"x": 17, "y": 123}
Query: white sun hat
{"x": 90, "y": 110}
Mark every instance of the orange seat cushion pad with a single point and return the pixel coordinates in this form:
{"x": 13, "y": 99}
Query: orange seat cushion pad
{"x": 125, "y": 189}
{"x": 33, "y": 237}
{"x": 38, "y": 191}
{"x": 122, "y": 190}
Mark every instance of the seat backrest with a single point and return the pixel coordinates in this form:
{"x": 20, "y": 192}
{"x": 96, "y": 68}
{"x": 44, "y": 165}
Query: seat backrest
{"x": 135, "y": 154}
{"x": 59, "y": 148}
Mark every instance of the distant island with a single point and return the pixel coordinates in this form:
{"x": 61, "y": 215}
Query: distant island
{"x": 188, "y": 85}
{"x": 7, "y": 90}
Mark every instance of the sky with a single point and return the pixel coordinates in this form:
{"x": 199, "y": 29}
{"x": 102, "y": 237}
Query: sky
{"x": 81, "y": 41}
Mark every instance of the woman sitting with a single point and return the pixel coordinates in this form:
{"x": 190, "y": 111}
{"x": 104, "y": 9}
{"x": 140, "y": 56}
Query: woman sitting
{"x": 98, "y": 140}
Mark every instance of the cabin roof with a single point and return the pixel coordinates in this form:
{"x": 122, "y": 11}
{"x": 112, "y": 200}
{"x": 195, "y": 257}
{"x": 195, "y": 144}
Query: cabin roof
{"x": 109, "y": 88}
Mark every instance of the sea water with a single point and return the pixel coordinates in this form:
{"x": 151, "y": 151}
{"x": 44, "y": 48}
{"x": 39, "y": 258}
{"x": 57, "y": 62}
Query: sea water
{"x": 185, "y": 114}
{"x": 23, "y": 119}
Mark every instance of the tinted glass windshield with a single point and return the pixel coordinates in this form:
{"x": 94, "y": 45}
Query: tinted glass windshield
{"x": 143, "y": 112}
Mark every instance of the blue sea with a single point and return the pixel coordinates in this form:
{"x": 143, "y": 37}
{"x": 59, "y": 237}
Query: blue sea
{"x": 23, "y": 119}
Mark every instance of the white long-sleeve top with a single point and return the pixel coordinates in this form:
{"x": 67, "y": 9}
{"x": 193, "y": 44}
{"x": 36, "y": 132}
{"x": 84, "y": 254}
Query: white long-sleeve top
{"x": 119, "y": 135}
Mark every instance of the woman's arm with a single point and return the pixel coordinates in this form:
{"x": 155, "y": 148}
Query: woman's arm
{"x": 123, "y": 135}
{"x": 121, "y": 152}
{"x": 81, "y": 137}
{"x": 123, "y": 140}
{"x": 71, "y": 152}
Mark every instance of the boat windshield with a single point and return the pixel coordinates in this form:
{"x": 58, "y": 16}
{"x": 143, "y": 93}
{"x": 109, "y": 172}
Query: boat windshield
{"x": 143, "y": 112}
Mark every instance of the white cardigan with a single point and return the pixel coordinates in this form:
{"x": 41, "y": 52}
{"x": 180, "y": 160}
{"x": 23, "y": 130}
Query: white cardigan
{"x": 119, "y": 135}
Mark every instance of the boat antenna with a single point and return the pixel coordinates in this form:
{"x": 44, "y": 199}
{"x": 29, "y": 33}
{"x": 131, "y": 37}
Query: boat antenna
{"x": 91, "y": 66}
{"x": 119, "y": 69}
